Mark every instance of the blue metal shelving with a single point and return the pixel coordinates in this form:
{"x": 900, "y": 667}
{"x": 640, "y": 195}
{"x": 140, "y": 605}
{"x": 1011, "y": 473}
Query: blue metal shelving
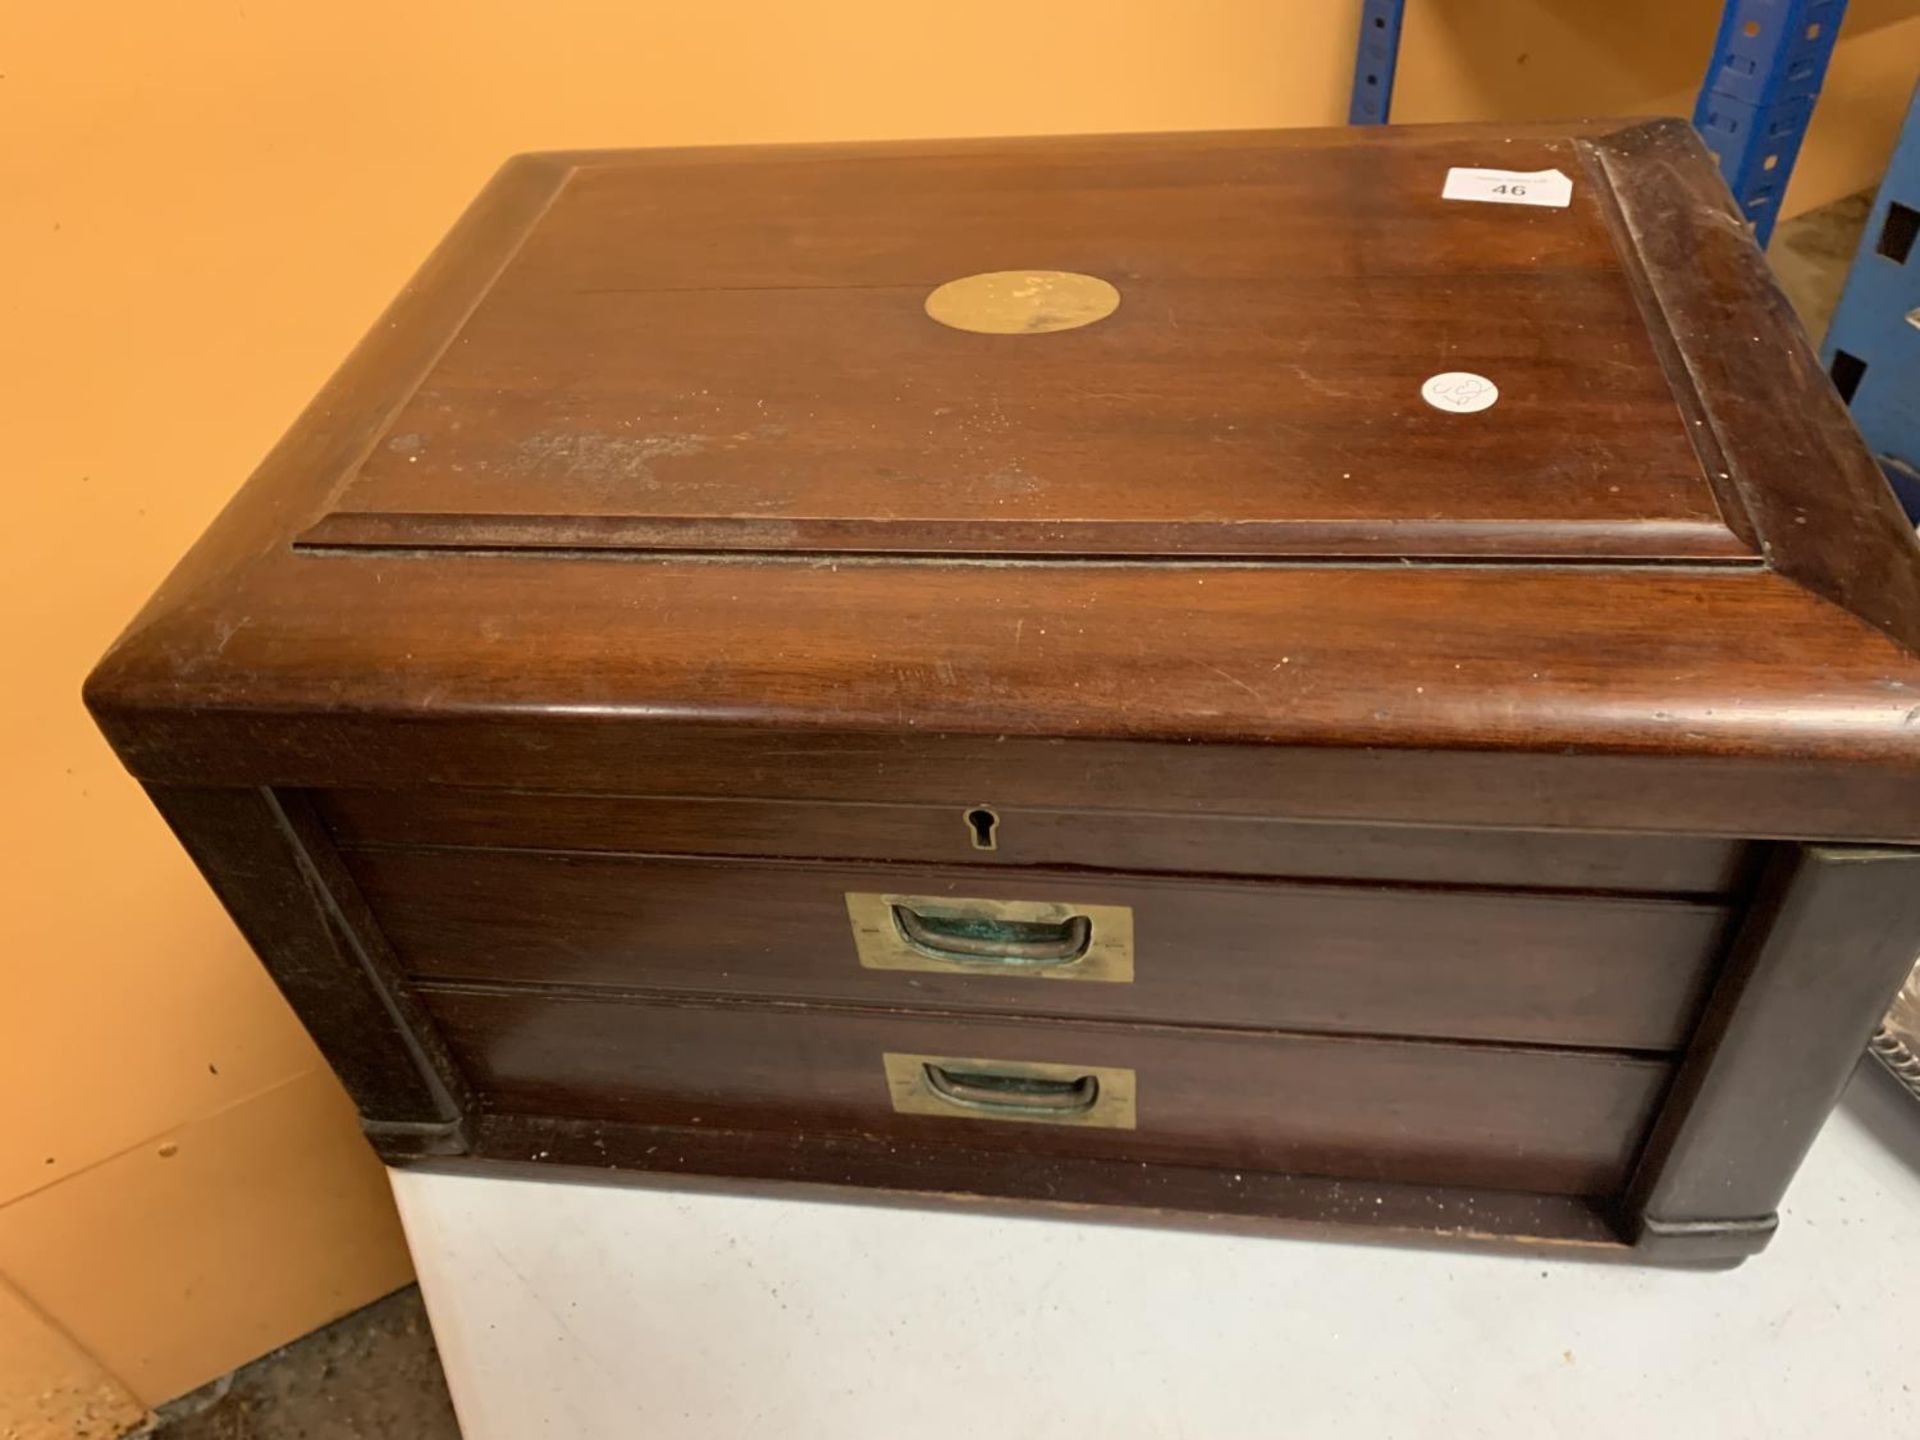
{"x": 1768, "y": 63}
{"x": 1872, "y": 349}
{"x": 1374, "y": 60}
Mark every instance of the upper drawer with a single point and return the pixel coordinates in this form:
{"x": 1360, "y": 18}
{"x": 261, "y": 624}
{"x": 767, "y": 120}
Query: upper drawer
{"x": 1115, "y": 840}
{"x": 1545, "y": 969}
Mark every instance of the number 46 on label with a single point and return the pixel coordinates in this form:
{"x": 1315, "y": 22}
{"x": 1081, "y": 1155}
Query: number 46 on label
{"x": 1509, "y": 187}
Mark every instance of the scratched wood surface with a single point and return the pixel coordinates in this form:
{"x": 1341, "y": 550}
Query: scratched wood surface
{"x": 658, "y": 528}
{"x": 1136, "y": 840}
{"x": 1772, "y": 699}
{"x": 1403, "y": 960}
{"x": 1553, "y": 1122}
{"x": 666, "y": 364}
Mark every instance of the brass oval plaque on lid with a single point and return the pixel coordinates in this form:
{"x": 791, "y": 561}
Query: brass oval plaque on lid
{"x": 1022, "y": 302}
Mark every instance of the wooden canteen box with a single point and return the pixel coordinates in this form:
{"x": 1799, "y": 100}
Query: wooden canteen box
{"x": 1284, "y": 680}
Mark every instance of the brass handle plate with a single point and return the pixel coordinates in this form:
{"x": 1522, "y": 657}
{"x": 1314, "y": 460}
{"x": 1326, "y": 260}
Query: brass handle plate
{"x": 1036, "y": 939}
{"x": 1024, "y": 1091}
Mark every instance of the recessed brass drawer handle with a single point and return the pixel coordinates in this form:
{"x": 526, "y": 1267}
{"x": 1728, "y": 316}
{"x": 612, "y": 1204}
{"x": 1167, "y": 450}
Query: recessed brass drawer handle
{"x": 1032, "y": 1092}
{"x": 986, "y": 940}
{"x": 1013, "y": 1094}
{"x": 1035, "y": 939}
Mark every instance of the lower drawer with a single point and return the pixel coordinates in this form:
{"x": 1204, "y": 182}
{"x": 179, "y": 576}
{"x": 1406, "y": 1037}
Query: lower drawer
{"x": 1590, "y": 971}
{"x": 1423, "y": 1113}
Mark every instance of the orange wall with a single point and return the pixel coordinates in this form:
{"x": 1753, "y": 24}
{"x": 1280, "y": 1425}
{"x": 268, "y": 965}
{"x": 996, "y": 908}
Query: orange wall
{"x": 205, "y": 204}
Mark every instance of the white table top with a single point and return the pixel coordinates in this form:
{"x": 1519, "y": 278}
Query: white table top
{"x": 592, "y": 1311}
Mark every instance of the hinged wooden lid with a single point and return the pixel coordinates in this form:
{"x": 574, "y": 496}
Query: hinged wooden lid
{"x": 1659, "y": 584}
{"x": 733, "y": 351}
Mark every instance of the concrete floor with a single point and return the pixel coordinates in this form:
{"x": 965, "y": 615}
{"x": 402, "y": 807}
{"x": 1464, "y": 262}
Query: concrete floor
{"x": 376, "y": 1373}
{"x": 373, "y": 1374}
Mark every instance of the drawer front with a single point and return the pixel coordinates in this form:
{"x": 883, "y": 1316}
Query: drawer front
{"x": 1421, "y": 1113}
{"x": 1104, "y": 840}
{"x": 1540, "y": 969}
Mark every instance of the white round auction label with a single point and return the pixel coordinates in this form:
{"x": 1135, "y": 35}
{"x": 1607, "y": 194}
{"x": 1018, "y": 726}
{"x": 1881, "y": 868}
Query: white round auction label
{"x": 1460, "y": 391}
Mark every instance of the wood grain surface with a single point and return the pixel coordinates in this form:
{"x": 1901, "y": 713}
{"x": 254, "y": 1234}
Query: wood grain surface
{"x": 1551, "y": 970}
{"x": 734, "y": 356}
{"x": 658, "y": 525}
{"x": 1104, "y": 840}
{"x": 1556, "y": 1123}
{"x": 1828, "y": 941}
{"x": 855, "y": 1169}
{"x": 1775, "y": 701}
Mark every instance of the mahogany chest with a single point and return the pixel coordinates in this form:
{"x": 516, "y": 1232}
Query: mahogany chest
{"x": 1352, "y": 678}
